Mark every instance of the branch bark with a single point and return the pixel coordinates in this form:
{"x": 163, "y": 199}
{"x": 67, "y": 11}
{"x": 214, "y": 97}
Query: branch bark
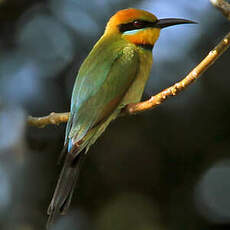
{"x": 154, "y": 101}
{"x": 223, "y": 6}
{"x": 51, "y": 119}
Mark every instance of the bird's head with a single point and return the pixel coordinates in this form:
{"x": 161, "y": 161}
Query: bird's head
{"x": 138, "y": 26}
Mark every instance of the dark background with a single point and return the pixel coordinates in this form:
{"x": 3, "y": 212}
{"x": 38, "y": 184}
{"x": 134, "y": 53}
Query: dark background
{"x": 164, "y": 169}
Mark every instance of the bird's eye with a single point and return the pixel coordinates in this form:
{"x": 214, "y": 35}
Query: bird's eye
{"x": 137, "y": 24}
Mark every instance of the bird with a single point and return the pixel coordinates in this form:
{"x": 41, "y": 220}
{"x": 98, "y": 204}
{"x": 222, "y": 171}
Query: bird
{"x": 113, "y": 75}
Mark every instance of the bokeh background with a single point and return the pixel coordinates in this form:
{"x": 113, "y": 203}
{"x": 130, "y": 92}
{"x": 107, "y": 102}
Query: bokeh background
{"x": 164, "y": 169}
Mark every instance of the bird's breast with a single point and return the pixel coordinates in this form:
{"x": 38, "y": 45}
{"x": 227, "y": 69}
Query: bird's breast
{"x": 135, "y": 92}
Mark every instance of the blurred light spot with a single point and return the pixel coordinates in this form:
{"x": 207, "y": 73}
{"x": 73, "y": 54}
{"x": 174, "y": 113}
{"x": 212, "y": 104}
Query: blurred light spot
{"x": 84, "y": 5}
{"x": 212, "y": 193}
{"x": 12, "y": 127}
{"x": 45, "y": 39}
{"x": 20, "y": 80}
{"x": 72, "y": 14}
{"x": 5, "y": 191}
{"x": 129, "y": 211}
{"x": 179, "y": 8}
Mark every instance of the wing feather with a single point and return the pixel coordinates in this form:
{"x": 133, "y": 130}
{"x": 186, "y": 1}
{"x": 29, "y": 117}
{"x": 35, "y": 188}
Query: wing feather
{"x": 103, "y": 79}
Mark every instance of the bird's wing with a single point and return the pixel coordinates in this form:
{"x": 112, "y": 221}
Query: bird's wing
{"x": 102, "y": 81}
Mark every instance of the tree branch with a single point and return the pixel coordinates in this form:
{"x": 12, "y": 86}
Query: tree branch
{"x": 51, "y": 119}
{"x": 223, "y": 6}
{"x": 154, "y": 101}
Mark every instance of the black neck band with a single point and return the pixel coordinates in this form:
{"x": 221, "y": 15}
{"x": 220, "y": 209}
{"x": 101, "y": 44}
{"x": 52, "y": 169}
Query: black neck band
{"x": 146, "y": 46}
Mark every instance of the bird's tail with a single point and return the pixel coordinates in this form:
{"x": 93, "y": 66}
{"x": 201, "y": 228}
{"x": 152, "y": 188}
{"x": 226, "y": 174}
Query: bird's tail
{"x": 71, "y": 169}
{"x": 65, "y": 186}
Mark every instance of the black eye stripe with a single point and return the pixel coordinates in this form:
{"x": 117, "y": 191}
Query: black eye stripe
{"x": 136, "y": 24}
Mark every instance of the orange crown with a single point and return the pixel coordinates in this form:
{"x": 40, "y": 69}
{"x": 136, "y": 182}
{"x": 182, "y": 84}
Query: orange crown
{"x": 126, "y": 16}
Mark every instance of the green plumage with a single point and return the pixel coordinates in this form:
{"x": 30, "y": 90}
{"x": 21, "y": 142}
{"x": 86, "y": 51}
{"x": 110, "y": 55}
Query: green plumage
{"x": 104, "y": 77}
{"x": 109, "y": 78}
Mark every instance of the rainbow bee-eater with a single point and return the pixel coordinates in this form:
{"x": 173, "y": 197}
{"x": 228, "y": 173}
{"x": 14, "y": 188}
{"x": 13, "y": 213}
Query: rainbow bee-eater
{"x": 113, "y": 75}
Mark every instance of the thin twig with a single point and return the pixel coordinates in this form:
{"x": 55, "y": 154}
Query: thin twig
{"x": 223, "y": 6}
{"x": 51, "y": 119}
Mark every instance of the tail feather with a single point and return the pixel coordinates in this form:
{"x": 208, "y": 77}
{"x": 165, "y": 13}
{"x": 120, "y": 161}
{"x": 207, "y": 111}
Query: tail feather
{"x": 65, "y": 186}
{"x": 69, "y": 175}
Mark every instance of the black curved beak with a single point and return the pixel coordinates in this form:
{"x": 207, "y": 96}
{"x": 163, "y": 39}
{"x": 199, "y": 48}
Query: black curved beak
{"x": 162, "y": 23}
